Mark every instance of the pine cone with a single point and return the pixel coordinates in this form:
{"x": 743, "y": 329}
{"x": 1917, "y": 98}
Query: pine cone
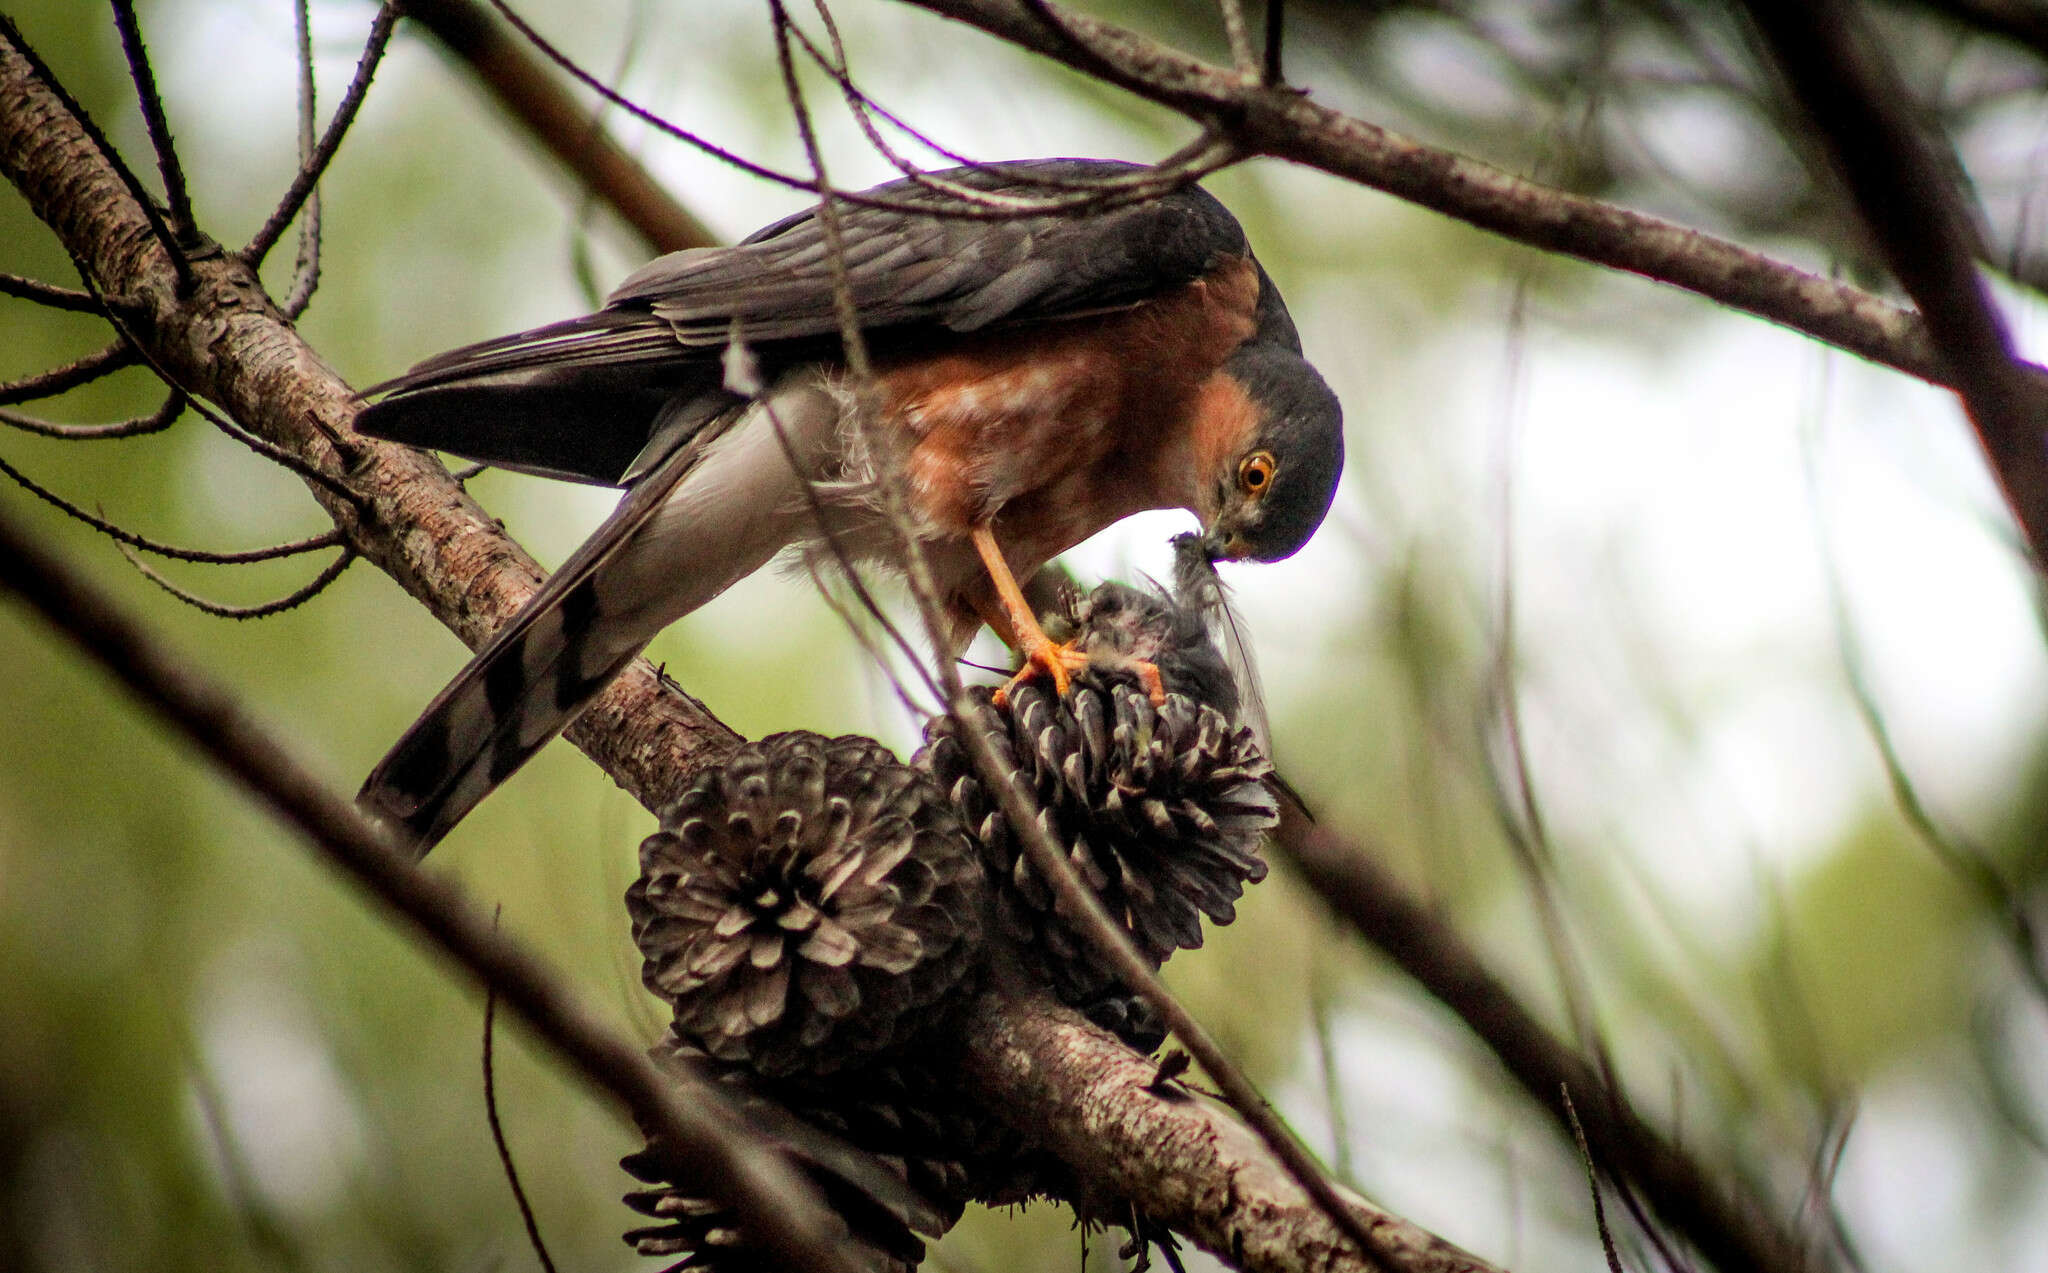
{"x": 876, "y": 1210}
{"x": 1159, "y": 810}
{"x": 807, "y": 904}
{"x": 894, "y": 1146}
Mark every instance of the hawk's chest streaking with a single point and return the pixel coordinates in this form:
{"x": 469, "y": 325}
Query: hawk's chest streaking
{"x": 1042, "y": 377}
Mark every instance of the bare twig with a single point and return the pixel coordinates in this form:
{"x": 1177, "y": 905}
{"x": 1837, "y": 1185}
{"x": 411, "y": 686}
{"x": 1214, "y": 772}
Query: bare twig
{"x": 315, "y": 164}
{"x": 526, "y": 89}
{"x": 724, "y": 1163}
{"x": 1077, "y": 902}
{"x": 1270, "y": 71}
{"x": 121, "y": 534}
{"x": 1907, "y": 199}
{"x": 155, "y": 422}
{"x": 184, "y": 229}
{"x": 1238, "y": 36}
{"x": 964, "y": 203}
{"x": 1564, "y": 1094}
{"x": 153, "y": 117}
{"x": 263, "y": 610}
{"x": 526, "y": 1217}
{"x": 1967, "y": 862}
{"x": 48, "y": 295}
{"x": 306, "y": 274}
{"x": 81, "y": 371}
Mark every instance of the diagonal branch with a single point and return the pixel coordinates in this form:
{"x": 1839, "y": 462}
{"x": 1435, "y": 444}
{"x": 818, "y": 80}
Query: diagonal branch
{"x": 1183, "y": 1157}
{"x": 315, "y": 163}
{"x": 1908, "y": 201}
{"x": 1281, "y": 123}
{"x": 1727, "y": 1225}
{"x": 728, "y": 1163}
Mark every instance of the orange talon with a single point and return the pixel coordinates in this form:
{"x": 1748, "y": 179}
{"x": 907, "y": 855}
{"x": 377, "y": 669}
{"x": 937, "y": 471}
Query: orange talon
{"x": 1047, "y": 658}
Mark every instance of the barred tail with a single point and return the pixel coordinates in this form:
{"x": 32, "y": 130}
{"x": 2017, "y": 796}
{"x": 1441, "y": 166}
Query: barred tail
{"x": 520, "y": 691}
{"x": 712, "y": 511}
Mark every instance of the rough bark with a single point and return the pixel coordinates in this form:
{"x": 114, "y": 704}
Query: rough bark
{"x": 1186, "y": 1158}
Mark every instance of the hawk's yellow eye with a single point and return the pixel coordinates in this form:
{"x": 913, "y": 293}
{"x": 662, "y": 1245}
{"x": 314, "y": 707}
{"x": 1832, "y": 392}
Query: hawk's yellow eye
{"x": 1255, "y": 473}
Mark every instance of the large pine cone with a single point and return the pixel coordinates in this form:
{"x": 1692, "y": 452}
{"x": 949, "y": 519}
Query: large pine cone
{"x": 806, "y": 904}
{"x": 1159, "y": 810}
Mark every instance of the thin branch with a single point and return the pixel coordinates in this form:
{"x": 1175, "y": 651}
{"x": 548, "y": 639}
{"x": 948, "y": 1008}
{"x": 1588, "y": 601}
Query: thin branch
{"x": 532, "y": 95}
{"x": 48, "y": 295}
{"x": 966, "y": 203}
{"x": 1728, "y": 1226}
{"x": 315, "y": 165}
{"x": 1564, "y": 1094}
{"x": 1967, "y": 862}
{"x": 1270, "y": 72}
{"x": 306, "y": 271}
{"x": 1904, "y": 191}
{"x": 1077, "y": 902}
{"x": 1205, "y": 154}
{"x": 723, "y": 1162}
{"x": 526, "y": 1217}
{"x": 277, "y": 454}
{"x": 1285, "y": 125}
{"x": 223, "y": 610}
{"x": 122, "y": 534}
{"x": 1237, "y": 34}
{"x": 82, "y": 371}
{"x": 159, "y": 125}
{"x": 155, "y": 422}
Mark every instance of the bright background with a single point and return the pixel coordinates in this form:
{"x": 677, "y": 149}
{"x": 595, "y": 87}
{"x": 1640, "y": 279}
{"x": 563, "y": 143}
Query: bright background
{"x": 213, "y": 1056}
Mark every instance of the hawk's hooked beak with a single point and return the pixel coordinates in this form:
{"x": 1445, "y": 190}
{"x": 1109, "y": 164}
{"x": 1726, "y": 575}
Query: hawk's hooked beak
{"x": 1219, "y": 544}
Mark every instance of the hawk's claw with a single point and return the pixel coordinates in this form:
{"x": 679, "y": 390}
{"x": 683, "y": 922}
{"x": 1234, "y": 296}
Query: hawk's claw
{"x": 1059, "y": 661}
{"x": 1055, "y": 660}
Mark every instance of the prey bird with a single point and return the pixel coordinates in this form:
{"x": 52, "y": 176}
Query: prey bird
{"x": 1038, "y": 378}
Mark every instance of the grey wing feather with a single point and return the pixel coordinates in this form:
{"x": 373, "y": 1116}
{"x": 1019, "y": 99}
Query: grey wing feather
{"x": 906, "y": 267}
{"x": 579, "y": 398}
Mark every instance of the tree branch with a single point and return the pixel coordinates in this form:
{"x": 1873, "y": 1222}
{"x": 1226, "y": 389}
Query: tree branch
{"x": 1732, "y": 1229}
{"x": 1908, "y": 201}
{"x": 1184, "y": 1159}
{"x": 1281, "y": 123}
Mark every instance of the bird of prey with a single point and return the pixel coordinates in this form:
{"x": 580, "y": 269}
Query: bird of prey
{"x": 1038, "y": 378}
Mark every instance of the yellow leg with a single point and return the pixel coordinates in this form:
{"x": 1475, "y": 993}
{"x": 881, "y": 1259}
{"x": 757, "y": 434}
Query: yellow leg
{"x": 1042, "y": 655}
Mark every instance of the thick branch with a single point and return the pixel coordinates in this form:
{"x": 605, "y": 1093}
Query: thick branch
{"x": 1730, "y": 1228}
{"x": 776, "y": 1204}
{"x": 1184, "y": 1160}
{"x": 1281, "y": 123}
